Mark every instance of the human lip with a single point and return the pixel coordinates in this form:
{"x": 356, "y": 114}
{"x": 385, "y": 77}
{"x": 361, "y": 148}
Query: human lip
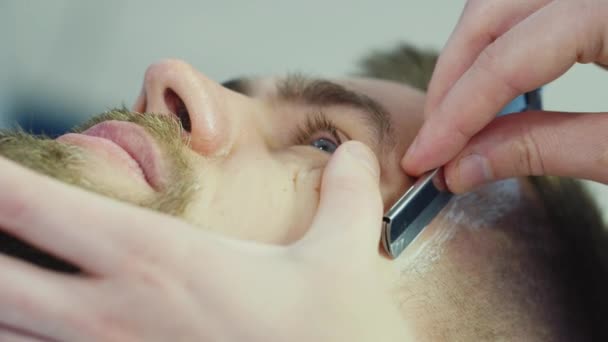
{"x": 126, "y": 144}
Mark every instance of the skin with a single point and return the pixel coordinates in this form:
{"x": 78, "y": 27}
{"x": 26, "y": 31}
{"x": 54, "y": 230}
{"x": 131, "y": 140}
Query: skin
{"x": 498, "y": 50}
{"x": 478, "y": 257}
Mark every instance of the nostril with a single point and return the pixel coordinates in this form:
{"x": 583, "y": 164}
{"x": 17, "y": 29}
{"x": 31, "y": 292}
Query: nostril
{"x": 178, "y": 108}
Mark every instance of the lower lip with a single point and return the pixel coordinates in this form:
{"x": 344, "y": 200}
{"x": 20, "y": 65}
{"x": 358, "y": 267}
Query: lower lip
{"x": 124, "y": 145}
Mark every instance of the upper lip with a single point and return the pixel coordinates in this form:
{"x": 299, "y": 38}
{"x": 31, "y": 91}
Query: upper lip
{"x": 134, "y": 140}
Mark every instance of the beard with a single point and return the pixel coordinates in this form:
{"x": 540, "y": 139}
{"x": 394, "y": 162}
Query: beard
{"x": 67, "y": 163}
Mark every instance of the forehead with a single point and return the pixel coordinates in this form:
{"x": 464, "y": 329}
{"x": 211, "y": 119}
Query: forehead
{"x": 405, "y": 104}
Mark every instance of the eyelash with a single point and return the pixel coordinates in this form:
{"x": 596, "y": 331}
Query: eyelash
{"x": 313, "y": 125}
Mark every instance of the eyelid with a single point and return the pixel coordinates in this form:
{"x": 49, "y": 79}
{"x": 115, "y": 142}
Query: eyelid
{"x": 318, "y": 122}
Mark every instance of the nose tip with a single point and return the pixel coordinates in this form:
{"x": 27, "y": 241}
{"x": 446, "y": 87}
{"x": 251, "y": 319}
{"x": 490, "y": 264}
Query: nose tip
{"x": 173, "y": 87}
{"x": 160, "y": 83}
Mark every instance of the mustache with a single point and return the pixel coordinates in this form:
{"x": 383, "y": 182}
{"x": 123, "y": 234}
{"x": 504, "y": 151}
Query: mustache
{"x": 162, "y": 126}
{"x": 65, "y": 162}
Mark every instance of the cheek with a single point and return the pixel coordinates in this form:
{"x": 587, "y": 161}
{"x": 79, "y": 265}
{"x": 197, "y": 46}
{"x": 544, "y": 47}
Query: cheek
{"x": 307, "y": 187}
{"x": 265, "y": 199}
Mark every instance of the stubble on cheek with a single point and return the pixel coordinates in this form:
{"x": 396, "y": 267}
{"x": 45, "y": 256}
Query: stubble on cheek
{"x": 486, "y": 260}
{"x": 472, "y": 213}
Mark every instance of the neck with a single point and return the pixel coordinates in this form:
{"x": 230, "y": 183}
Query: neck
{"x": 488, "y": 268}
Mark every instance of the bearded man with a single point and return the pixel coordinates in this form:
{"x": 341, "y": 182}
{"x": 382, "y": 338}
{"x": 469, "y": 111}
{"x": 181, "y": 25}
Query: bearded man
{"x": 245, "y": 159}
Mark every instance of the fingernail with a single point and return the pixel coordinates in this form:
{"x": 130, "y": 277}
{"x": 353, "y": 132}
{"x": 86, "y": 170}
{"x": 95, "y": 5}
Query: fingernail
{"x": 474, "y": 170}
{"x": 365, "y": 156}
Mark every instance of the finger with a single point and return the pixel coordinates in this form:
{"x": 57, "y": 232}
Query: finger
{"x": 350, "y": 207}
{"x": 97, "y": 234}
{"x": 35, "y": 302}
{"x": 533, "y": 53}
{"x": 11, "y": 334}
{"x": 534, "y": 143}
{"x": 480, "y": 24}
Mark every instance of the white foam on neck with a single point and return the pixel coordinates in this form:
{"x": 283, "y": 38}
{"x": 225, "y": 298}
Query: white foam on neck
{"x": 475, "y": 211}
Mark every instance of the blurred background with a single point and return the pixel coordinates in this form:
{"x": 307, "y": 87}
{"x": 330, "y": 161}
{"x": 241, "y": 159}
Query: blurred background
{"x": 63, "y": 61}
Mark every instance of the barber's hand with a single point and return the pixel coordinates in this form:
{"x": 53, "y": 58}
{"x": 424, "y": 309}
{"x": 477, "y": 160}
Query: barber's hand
{"x": 498, "y": 50}
{"x": 150, "y": 277}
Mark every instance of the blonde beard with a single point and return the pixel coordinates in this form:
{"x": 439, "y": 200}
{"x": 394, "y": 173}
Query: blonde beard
{"x": 65, "y": 163}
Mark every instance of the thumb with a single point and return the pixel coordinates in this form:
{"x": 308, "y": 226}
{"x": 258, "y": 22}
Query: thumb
{"x": 533, "y": 143}
{"x": 349, "y": 215}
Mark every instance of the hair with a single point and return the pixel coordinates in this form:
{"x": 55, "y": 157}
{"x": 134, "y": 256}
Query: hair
{"x": 576, "y": 219}
{"x": 403, "y": 63}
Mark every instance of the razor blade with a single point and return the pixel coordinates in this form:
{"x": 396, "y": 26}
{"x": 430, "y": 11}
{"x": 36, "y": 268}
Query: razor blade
{"x": 423, "y": 201}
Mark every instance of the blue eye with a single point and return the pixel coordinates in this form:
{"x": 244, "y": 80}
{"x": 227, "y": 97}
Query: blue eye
{"x": 318, "y": 132}
{"x": 324, "y": 145}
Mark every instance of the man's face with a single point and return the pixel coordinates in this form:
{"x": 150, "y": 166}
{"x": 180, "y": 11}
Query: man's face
{"x": 250, "y": 158}
{"x": 246, "y": 159}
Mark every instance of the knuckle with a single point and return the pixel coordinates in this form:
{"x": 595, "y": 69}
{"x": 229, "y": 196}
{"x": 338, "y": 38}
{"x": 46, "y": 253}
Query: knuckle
{"x": 152, "y": 278}
{"x": 15, "y": 205}
{"x": 349, "y": 185}
{"x": 93, "y": 325}
{"x": 356, "y": 192}
{"x": 12, "y": 208}
{"x": 487, "y": 58}
{"x": 529, "y": 157}
{"x": 350, "y": 181}
{"x": 463, "y": 131}
{"x": 489, "y": 61}
{"x": 591, "y": 31}
{"x": 157, "y": 253}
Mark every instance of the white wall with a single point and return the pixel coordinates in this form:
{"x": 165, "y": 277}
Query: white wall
{"x": 91, "y": 55}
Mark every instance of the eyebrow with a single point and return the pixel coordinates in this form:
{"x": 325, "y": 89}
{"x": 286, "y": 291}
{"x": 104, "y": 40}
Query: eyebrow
{"x": 324, "y": 93}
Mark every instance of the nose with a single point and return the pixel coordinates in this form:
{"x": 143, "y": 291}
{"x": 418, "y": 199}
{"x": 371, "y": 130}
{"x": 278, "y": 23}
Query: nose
{"x": 173, "y": 87}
